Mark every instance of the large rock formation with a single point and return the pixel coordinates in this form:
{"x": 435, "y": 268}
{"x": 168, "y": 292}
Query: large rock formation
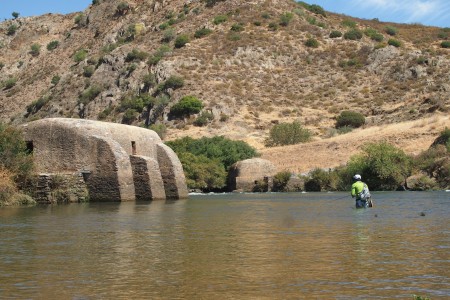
{"x": 251, "y": 175}
{"x": 118, "y": 162}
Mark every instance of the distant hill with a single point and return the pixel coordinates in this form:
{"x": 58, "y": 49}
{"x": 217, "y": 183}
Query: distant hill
{"x": 251, "y": 63}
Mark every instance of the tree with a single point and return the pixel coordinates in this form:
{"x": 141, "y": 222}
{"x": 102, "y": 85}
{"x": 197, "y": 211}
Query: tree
{"x": 382, "y": 166}
{"x": 181, "y": 40}
{"x": 35, "y": 49}
{"x": 187, "y": 106}
{"x": 15, "y": 15}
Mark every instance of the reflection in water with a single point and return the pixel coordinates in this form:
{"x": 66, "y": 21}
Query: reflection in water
{"x": 256, "y": 246}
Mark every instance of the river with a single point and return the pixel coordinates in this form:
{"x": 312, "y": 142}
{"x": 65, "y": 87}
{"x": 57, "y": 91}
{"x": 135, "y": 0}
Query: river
{"x": 230, "y": 246}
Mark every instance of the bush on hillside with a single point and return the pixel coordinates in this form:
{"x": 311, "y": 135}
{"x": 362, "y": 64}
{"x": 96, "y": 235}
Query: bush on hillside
{"x": 286, "y": 18}
{"x": 136, "y": 55}
{"x": 9, "y": 83}
{"x": 391, "y": 30}
{"x": 287, "y": 134}
{"x": 435, "y": 162}
{"x": 52, "y": 45}
{"x": 181, "y": 40}
{"x": 335, "y": 34}
{"x": 349, "y": 23}
{"x": 187, "y": 106}
{"x": 122, "y": 8}
{"x": 211, "y": 3}
{"x": 353, "y": 34}
{"x": 445, "y": 44}
{"x": 12, "y": 29}
{"x": 202, "y": 32}
{"x": 35, "y": 49}
{"x": 173, "y": 82}
{"x": 312, "y": 43}
{"x": 317, "y": 9}
{"x": 350, "y": 118}
{"x": 90, "y": 94}
{"x": 394, "y": 42}
{"x": 203, "y": 119}
{"x": 219, "y": 19}
{"x": 80, "y": 55}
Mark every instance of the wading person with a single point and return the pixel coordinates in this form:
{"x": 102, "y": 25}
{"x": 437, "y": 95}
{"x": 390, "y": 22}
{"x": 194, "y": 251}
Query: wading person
{"x": 361, "y": 192}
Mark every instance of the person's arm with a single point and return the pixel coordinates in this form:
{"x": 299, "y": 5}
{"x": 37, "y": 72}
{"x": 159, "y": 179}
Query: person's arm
{"x": 353, "y": 190}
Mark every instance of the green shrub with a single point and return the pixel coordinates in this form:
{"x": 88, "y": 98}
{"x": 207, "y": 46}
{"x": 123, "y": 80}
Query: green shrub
{"x": 168, "y": 35}
{"x": 349, "y": 23}
{"x": 80, "y": 55}
{"x": 52, "y": 45}
{"x": 445, "y": 44}
{"x": 12, "y": 29}
{"x": 136, "y": 55}
{"x": 353, "y": 34}
{"x": 394, "y": 42}
{"x": 286, "y": 18}
{"x": 381, "y": 165}
{"x": 234, "y": 36}
{"x": 35, "y": 49}
{"x": 335, "y": 34}
{"x": 9, "y": 83}
{"x": 15, "y": 14}
{"x": 129, "y": 116}
{"x": 122, "y": 8}
{"x": 135, "y": 103}
{"x": 312, "y": 43}
{"x": 88, "y": 71}
{"x": 374, "y": 35}
{"x": 173, "y": 82}
{"x": 313, "y": 8}
{"x": 89, "y": 94}
{"x": 265, "y": 15}
{"x": 220, "y": 19}
{"x": 181, "y": 40}
{"x": 203, "y": 173}
{"x": 237, "y": 27}
{"x": 202, "y": 32}
{"x": 273, "y": 26}
{"x": 443, "y": 139}
{"x": 280, "y": 181}
{"x": 287, "y": 134}
{"x": 14, "y": 155}
{"x": 1, "y": 65}
{"x": 35, "y": 106}
{"x": 203, "y": 119}
{"x": 187, "y": 106}
{"x": 105, "y": 113}
{"x": 226, "y": 151}
{"x": 160, "y": 129}
{"x": 55, "y": 79}
{"x": 391, "y": 30}
{"x": 350, "y": 118}
{"x": 321, "y": 180}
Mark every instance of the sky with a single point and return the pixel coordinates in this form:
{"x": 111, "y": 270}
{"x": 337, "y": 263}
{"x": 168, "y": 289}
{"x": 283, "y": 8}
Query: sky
{"x": 426, "y": 12}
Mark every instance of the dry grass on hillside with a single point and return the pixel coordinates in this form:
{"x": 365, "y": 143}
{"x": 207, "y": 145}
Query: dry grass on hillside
{"x": 412, "y": 136}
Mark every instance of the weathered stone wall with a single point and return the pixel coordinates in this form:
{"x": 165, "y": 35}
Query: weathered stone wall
{"x": 59, "y": 188}
{"x": 105, "y": 153}
{"x": 251, "y": 175}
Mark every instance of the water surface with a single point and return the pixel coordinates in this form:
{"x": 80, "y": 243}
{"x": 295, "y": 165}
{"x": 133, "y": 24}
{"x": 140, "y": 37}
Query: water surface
{"x": 231, "y": 246}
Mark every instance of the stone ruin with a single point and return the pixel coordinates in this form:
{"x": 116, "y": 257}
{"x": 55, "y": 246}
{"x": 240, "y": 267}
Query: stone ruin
{"x": 116, "y": 162}
{"x": 251, "y": 175}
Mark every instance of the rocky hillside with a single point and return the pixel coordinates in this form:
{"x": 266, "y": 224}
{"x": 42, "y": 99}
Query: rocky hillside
{"x": 252, "y": 64}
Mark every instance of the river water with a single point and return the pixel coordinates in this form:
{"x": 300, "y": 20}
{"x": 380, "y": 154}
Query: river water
{"x": 230, "y": 246}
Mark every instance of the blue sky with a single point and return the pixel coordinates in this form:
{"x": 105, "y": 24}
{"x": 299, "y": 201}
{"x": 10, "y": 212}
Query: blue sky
{"x": 426, "y": 12}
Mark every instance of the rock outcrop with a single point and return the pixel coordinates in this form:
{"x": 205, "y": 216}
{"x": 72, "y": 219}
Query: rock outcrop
{"x": 251, "y": 175}
{"x": 118, "y": 162}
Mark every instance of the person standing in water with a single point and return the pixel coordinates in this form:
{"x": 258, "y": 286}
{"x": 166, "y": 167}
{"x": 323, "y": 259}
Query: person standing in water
{"x": 361, "y": 192}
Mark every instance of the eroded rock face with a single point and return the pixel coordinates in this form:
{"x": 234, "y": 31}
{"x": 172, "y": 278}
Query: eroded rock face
{"x": 250, "y": 174}
{"x": 119, "y": 162}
